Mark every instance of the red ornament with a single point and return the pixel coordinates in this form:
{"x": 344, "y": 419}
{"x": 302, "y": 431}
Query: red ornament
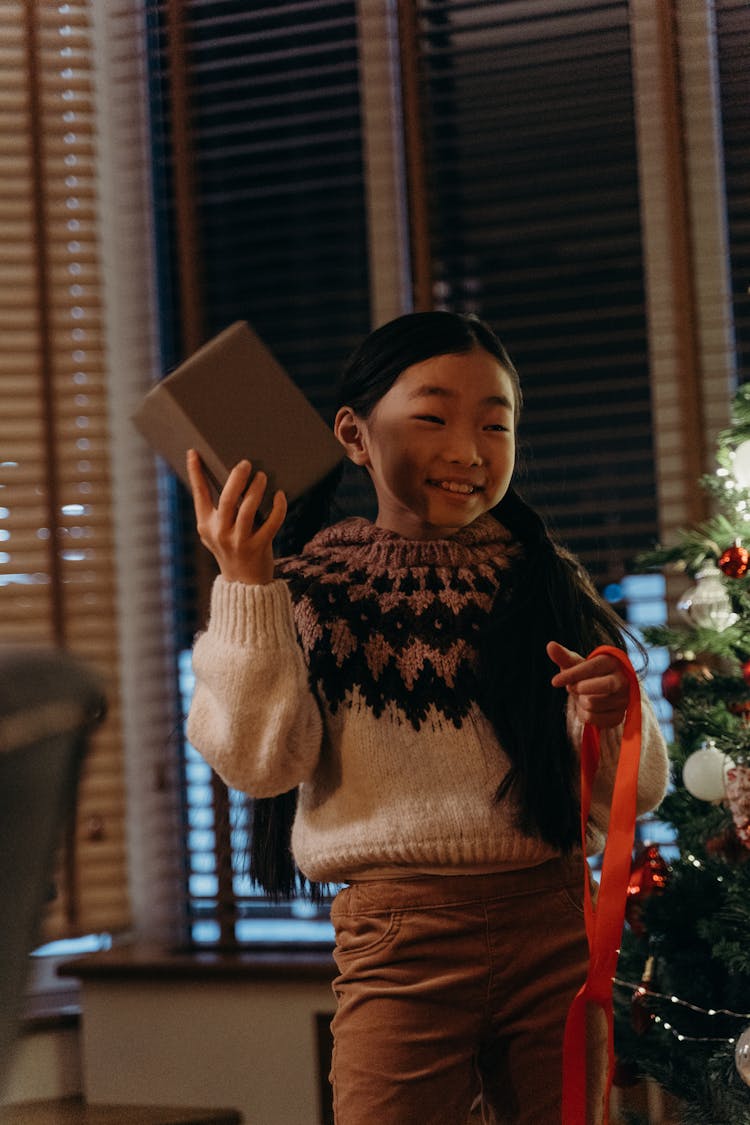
{"x": 746, "y": 671}
{"x": 671, "y": 680}
{"x": 648, "y": 876}
{"x": 735, "y": 561}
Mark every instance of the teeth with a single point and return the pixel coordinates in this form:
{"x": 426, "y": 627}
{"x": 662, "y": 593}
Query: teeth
{"x": 454, "y": 486}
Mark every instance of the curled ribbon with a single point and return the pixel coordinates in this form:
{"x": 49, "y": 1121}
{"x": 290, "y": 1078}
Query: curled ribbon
{"x": 604, "y": 921}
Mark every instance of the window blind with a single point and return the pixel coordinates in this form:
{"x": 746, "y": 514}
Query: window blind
{"x": 274, "y": 113}
{"x": 57, "y": 576}
{"x": 531, "y": 167}
{"x": 272, "y": 132}
{"x": 733, "y": 39}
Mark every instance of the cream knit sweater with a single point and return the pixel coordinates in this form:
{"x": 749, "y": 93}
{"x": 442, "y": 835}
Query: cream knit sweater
{"x": 353, "y": 676}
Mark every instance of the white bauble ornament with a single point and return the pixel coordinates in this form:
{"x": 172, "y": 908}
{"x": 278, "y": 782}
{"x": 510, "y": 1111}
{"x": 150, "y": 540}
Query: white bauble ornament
{"x": 741, "y": 464}
{"x": 742, "y": 1056}
{"x": 703, "y": 774}
{"x": 707, "y": 603}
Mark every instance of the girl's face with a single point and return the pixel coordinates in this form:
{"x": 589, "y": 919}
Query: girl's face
{"x": 439, "y": 446}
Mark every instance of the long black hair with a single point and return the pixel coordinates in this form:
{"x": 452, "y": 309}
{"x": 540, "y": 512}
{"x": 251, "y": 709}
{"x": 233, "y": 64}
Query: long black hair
{"x": 551, "y": 598}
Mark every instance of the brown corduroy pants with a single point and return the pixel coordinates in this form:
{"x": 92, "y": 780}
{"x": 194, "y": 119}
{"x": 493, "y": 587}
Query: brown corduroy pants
{"x": 453, "y": 991}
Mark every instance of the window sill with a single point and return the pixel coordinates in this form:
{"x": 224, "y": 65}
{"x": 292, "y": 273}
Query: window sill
{"x": 51, "y": 1011}
{"x": 50, "y": 1003}
{"x": 143, "y": 962}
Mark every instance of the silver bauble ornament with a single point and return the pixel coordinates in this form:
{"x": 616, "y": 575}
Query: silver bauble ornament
{"x": 742, "y": 1056}
{"x": 707, "y": 603}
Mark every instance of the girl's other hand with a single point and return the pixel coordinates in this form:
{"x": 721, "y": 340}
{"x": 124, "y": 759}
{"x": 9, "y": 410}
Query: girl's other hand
{"x": 243, "y": 551}
{"x": 598, "y": 685}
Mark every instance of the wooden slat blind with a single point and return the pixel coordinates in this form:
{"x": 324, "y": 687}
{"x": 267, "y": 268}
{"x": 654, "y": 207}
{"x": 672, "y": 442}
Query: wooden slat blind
{"x": 272, "y": 127}
{"x": 275, "y": 120}
{"x": 57, "y": 582}
{"x": 530, "y": 141}
{"x": 733, "y": 40}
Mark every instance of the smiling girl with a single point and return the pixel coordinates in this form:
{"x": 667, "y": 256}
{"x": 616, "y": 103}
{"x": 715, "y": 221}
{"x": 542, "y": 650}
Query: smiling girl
{"x": 412, "y": 693}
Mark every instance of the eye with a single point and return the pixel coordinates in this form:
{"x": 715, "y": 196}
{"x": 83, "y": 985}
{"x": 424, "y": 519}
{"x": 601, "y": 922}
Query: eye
{"x": 498, "y": 427}
{"x": 430, "y": 418}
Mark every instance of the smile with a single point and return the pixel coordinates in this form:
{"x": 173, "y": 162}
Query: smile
{"x": 456, "y": 487}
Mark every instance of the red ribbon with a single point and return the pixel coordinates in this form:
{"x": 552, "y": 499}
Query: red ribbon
{"x": 604, "y": 922}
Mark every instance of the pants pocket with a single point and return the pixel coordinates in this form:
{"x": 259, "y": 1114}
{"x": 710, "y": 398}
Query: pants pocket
{"x": 361, "y": 933}
{"x": 572, "y": 894}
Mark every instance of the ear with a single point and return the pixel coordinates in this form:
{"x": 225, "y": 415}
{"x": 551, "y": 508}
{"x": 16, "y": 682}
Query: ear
{"x": 351, "y": 432}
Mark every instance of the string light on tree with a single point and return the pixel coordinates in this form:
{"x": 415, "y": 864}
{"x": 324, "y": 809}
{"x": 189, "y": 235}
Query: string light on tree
{"x": 741, "y": 1043}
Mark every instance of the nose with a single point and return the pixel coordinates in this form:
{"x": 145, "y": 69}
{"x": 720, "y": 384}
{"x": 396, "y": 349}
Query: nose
{"x": 462, "y": 448}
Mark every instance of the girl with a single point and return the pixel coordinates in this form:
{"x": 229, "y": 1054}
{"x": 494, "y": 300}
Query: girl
{"x": 400, "y": 677}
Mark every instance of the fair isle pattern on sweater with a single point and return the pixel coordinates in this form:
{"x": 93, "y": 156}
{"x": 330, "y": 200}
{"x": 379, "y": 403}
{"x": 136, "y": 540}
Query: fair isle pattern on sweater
{"x": 396, "y": 621}
{"x": 410, "y": 789}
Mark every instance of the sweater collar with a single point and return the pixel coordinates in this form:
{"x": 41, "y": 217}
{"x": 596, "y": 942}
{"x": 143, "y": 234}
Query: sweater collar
{"x": 484, "y": 538}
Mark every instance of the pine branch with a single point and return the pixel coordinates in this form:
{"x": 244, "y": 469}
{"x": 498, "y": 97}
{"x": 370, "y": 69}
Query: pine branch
{"x": 695, "y": 546}
{"x": 732, "y": 643}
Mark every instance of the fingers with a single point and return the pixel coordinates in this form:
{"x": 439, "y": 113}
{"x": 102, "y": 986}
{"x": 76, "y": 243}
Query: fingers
{"x": 201, "y": 496}
{"x": 238, "y": 502}
{"x": 276, "y": 516}
{"x": 249, "y": 504}
{"x": 598, "y": 685}
{"x": 582, "y": 670}
{"x": 601, "y": 719}
{"x": 242, "y": 546}
{"x": 248, "y": 511}
{"x": 231, "y": 493}
{"x": 562, "y": 656}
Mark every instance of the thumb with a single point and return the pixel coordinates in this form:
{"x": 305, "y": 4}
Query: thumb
{"x": 562, "y": 656}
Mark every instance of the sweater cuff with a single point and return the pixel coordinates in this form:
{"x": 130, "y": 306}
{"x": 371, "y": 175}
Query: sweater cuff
{"x": 252, "y": 615}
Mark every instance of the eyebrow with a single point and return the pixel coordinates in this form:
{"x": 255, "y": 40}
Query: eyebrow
{"x": 428, "y": 390}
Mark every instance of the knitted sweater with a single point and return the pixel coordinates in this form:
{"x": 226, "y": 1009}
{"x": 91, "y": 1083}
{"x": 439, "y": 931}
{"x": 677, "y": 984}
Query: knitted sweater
{"x": 353, "y": 675}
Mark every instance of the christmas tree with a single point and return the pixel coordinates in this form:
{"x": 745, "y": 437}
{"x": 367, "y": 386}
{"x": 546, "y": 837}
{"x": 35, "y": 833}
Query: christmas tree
{"x": 682, "y": 994}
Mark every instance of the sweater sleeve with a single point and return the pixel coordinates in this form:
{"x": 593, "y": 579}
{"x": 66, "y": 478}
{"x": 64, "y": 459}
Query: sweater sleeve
{"x": 653, "y": 770}
{"x": 253, "y": 716}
